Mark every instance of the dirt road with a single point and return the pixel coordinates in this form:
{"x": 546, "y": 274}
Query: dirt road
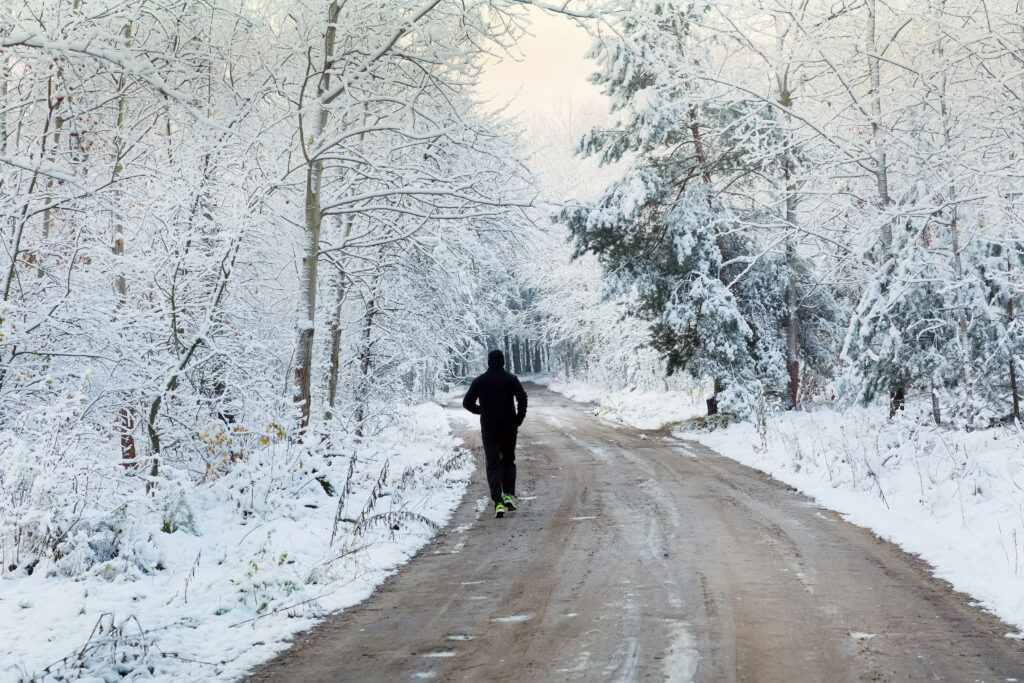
{"x": 639, "y": 557}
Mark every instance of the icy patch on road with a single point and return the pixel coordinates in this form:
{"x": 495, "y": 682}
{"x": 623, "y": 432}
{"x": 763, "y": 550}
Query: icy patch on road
{"x": 514, "y": 619}
{"x": 863, "y": 636}
{"x": 624, "y": 662}
{"x": 680, "y": 664}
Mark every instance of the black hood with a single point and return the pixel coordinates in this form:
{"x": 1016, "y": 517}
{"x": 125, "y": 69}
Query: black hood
{"x": 495, "y": 359}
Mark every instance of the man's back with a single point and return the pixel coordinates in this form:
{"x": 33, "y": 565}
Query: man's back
{"x": 502, "y": 399}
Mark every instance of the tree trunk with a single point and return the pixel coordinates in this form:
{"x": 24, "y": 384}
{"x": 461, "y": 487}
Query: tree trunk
{"x": 1014, "y": 393}
{"x": 712, "y": 402}
{"x": 792, "y": 298}
{"x": 792, "y": 329}
{"x": 335, "y": 360}
{"x": 127, "y": 415}
{"x": 881, "y": 164}
{"x": 58, "y": 126}
{"x": 936, "y": 412}
{"x": 897, "y": 401}
{"x": 365, "y": 355}
{"x": 4, "y": 89}
{"x": 313, "y": 216}
{"x": 332, "y": 380}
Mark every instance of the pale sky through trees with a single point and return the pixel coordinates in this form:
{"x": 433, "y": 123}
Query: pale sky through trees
{"x": 545, "y": 89}
{"x": 551, "y": 70}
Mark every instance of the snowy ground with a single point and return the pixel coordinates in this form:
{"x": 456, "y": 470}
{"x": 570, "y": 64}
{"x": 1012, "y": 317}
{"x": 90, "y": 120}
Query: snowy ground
{"x": 638, "y": 408}
{"x": 954, "y": 498}
{"x": 257, "y": 565}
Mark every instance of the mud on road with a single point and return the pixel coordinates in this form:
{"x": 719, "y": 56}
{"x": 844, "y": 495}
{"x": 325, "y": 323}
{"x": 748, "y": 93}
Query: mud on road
{"x": 635, "y": 556}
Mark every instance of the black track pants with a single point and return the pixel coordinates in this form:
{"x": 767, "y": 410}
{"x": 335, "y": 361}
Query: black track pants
{"x": 500, "y": 453}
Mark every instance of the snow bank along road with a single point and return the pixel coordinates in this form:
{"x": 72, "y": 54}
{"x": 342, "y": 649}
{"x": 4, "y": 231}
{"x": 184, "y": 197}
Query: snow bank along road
{"x": 636, "y": 556}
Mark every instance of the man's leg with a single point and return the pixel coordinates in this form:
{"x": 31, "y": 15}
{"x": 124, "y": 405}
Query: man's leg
{"x": 492, "y": 456}
{"x": 508, "y": 463}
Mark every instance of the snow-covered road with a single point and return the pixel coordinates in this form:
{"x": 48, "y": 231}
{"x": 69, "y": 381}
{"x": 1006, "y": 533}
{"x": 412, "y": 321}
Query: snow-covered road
{"x": 639, "y": 556}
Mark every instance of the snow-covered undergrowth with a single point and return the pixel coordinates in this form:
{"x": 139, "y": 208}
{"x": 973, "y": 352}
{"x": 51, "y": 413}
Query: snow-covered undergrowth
{"x": 954, "y": 498}
{"x": 638, "y": 407}
{"x": 207, "y": 580}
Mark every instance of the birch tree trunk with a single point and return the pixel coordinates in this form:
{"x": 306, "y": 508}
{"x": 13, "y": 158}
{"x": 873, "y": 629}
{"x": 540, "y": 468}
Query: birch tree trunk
{"x": 127, "y": 414}
{"x": 313, "y": 220}
{"x": 1014, "y": 393}
{"x": 341, "y": 291}
{"x": 881, "y": 164}
{"x": 366, "y": 359}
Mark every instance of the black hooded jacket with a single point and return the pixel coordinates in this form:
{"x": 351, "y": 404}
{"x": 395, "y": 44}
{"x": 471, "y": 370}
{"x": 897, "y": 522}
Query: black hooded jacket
{"x": 495, "y": 391}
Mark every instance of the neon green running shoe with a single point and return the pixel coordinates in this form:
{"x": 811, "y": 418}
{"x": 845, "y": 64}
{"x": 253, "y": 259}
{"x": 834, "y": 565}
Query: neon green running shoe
{"x": 510, "y": 502}
{"x": 499, "y": 510}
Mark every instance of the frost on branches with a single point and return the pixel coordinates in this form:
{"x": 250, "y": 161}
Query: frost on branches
{"x": 241, "y": 245}
{"x": 816, "y": 203}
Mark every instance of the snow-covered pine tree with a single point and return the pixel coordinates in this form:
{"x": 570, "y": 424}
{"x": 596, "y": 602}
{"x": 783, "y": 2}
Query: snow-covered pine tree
{"x": 1000, "y": 341}
{"x": 680, "y": 228}
{"x": 902, "y": 332}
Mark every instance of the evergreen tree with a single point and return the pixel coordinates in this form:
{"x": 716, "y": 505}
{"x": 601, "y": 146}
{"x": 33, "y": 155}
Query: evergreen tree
{"x": 902, "y": 332}
{"x": 665, "y": 230}
{"x": 1000, "y": 342}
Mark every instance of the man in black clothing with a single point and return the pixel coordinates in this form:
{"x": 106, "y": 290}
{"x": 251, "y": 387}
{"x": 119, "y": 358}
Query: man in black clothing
{"x": 499, "y": 424}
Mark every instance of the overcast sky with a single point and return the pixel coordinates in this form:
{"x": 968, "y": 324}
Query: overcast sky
{"x": 547, "y": 91}
{"x": 551, "y": 69}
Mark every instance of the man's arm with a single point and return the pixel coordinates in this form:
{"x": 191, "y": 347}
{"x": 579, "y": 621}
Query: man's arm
{"x": 520, "y": 402}
{"x": 470, "y": 400}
